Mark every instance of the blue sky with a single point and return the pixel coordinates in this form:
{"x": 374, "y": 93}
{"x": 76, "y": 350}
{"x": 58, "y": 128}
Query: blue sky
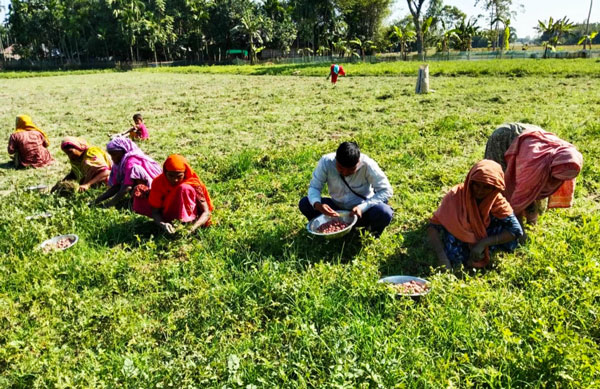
{"x": 527, "y": 16}
{"x": 524, "y": 22}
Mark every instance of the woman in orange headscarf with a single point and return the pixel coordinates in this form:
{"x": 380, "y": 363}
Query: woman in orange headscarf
{"x": 178, "y": 194}
{"x": 28, "y": 144}
{"x": 473, "y": 218}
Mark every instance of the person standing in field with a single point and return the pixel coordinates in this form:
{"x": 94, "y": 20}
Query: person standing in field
{"x": 537, "y": 166}
{"x": 179, "y": 194}
{"x": 473, "y": 219}
{"x": 334, "y": 71}
{"x": 89, "y": 164}
{"x": 356, "y": 183}
{"x": 28, "y": 144}
{"x": 132, "y": 172}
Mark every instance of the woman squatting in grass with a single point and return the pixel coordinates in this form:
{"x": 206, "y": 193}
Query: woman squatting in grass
{"x": 89, "y": 164}
{"x": 178, "y": 194}
{"x": 356, "y": 183}
{"x": 132, "y": 171}
{"x": 473, "y": 219}
{"x": 537, "y": 165}
{"x": 28, "y": 145}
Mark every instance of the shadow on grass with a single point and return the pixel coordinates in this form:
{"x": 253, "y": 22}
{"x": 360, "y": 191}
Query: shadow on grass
{"x": 286, "y": 69}
{"x": 8, "y": 165}
{"x": 133, "y": 233}
{"x": 414, "y": 258}
{"x": 298, "y": 246}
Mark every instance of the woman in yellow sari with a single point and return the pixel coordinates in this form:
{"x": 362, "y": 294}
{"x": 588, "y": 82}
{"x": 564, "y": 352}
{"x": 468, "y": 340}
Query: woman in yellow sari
{"x": 89, "y": 164}
{"x": 28, "y": 145}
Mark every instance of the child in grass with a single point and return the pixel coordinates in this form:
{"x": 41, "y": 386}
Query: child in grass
{"x": 138, "y": 131}
{"x": 334, "y": 71}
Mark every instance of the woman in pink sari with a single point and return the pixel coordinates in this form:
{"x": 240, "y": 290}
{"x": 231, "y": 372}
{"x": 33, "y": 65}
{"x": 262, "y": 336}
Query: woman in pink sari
{"x": 539, "y": 165}
{"x": 133, "y": 171}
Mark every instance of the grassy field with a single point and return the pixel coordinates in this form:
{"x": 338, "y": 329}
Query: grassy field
{"x": 256, "y": 302}
{"x": 572, "y": 68}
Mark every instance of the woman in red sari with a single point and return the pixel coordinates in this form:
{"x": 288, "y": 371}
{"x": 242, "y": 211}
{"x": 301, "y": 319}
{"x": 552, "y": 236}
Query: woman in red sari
{"x": 178, "y": 194}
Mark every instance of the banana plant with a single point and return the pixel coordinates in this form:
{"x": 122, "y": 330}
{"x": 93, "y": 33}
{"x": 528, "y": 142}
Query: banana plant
{"x": 506, "y": 34}
{"x": 362, "y": 46}
{"x": 340, "y": 47}
{"x": 587, "y": 39}
{"x": 554, "y": 30}
{"x": 307, "y": 51}
{"x": 405, "y": 36}
{"x": 323, "y": 51}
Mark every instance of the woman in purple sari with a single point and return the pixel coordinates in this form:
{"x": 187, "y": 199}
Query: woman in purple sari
{"x": 133, "y": 171}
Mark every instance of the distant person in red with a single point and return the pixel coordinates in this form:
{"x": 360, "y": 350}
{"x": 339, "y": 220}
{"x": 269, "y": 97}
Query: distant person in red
{"x": 335, "y": 71}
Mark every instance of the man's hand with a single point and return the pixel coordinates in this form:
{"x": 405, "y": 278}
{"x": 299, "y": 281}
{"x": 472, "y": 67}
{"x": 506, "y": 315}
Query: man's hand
{"x": 167, "y": 227}
{"x": 83, "y": 188}
{"x": 326, "y": 210}
{"x": 356, "y": 211}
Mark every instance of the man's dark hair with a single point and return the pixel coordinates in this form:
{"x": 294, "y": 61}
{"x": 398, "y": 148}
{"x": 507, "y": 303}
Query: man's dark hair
{"x": 348, "y": 154}
{"x": 137, "y": 116}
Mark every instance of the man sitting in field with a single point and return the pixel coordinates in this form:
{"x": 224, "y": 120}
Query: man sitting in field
{"x": 356, "y": 183}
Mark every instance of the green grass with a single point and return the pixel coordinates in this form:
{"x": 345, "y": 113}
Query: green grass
{"x": 504, "y": 67}
{"x": 50, "y": 73}
{"x": 254, "y": 300}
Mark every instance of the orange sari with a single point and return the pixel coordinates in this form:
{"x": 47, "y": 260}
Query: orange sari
{"x": 463, "y": 217}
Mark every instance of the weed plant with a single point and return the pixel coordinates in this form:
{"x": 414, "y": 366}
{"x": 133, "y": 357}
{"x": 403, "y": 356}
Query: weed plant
{"x": 254, "y": 301}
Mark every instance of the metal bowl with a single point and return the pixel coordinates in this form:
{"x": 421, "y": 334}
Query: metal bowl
{"x": 44, "y": 245}
{"x": 405, "y": 279}
{"x": 37, "y": 188}
{"x": 39, "y": 216}
{"x": 345, "y": 216}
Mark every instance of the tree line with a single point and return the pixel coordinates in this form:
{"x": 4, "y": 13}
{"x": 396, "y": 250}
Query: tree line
{"x": 208, "y": 30}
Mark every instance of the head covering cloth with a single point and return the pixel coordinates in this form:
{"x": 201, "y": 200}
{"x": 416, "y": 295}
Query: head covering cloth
{"x": 541, "y": 165}
{"x": 162, "y": 188}
{"x": 463, "y": 216}
{"x": 93, "y": 159}
{"x": 25, "y": 123}
{"x": 134, "y": 162}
